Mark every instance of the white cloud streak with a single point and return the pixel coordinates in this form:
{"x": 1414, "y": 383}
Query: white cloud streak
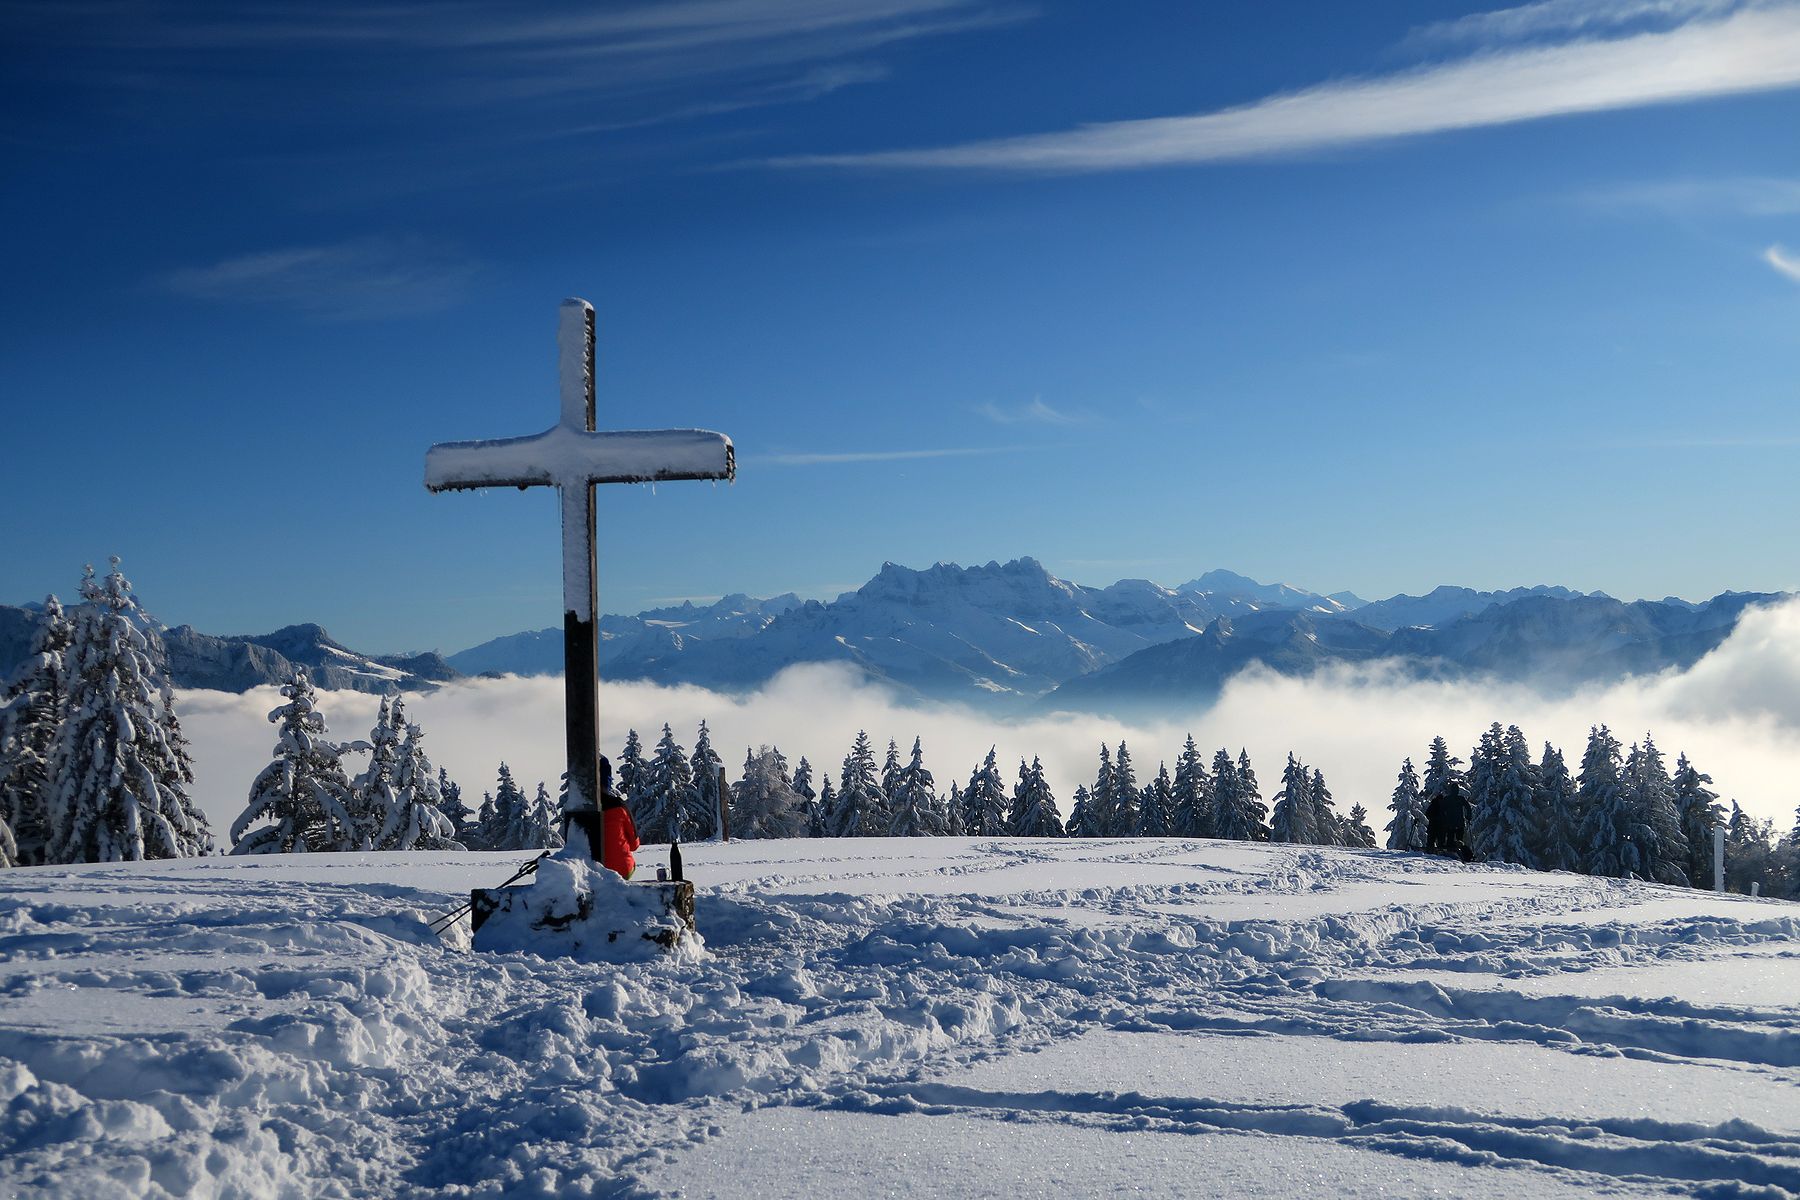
{"x": 1737, "y": 713}
{"x": 1784, "y": 262}
{"x": 1565, "y": 17}
{"x": 1750, "y": 196}
{"x": 362, "y": 279}
{"x": 1034, "y": 412}
{"x": 1749, "y": 51}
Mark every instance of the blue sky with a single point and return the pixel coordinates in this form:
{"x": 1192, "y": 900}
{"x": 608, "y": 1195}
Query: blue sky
{"x": 1355, "y": 296}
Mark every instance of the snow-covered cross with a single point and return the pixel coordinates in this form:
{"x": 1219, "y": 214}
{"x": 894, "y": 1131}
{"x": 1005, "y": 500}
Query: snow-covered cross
{"x": 572, "y": 457}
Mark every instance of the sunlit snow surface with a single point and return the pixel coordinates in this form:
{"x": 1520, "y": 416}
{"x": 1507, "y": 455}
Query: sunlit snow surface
{"x": 904, "y": 1017}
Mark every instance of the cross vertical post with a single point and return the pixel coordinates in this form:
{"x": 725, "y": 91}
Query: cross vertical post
{"x": 581, "y": 589}
{"x": 573, "y": 456}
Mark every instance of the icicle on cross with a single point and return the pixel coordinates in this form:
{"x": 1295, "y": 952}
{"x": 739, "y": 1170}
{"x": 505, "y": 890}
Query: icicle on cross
{"x": 572, "y": 457}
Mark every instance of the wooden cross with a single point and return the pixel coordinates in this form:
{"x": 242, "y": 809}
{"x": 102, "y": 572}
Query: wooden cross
{"x": 572, "y": 457}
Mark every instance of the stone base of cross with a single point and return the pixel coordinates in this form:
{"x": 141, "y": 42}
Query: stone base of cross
{"x": 573, "y": 457}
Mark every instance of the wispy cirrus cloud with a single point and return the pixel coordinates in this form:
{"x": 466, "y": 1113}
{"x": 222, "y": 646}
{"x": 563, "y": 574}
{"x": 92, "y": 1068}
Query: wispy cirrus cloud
{"x": 871, "y": 456}
{"x": 1032, "y": 412}
{"x": 1751, "y": 49}
{"x": 1783, "y": 261}
{"x": 357, "y": 280}
{"x": 1750, "y": 196}
{"x": 1567, "y": 17}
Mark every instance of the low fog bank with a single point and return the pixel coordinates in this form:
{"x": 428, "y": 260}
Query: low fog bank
{"x": 1736, "y": 713}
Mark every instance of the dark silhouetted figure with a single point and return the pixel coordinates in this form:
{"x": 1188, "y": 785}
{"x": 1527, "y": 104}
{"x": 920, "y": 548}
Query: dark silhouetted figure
{"x": 1447, "y": 822}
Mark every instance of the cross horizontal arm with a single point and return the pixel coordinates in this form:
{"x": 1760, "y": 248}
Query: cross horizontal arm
{"x": 564, "y": 457}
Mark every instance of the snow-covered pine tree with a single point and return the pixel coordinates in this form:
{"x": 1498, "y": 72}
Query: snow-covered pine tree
{"x": 826, "y": 808}
{"x": 890, "y": 771}
{"x": 1656, "y": 823}
{"x": 913, "y": 801}
{"x": 1509, "y": 829}
{"x": 1125, "y": 794}
{"x": 1034, "y": 807}
{"x": 665, "y": 807}
{"x": 544, "y": 827}
{"x": 475, "y": 836}
{"x": 414, "y": 818}
{"x": 304, "y": 792}
{"x": 1102, "y": 806}
{"x": 1485, "y": 763}
{"x": 32, "y": 708}
{"x": 372, "y": 793}
{"x": 1356, "y": 829}
{"x": 450, "y": 803}
{"x": 809, "y": 800}
{"x": 859, "y": 801}
{"x": 1701, "y": 813}
{"x": 985, "y": 801}
{"x": 1156, "y": 803}
{"x": 116, "y": 792}
{"x": 764, "y": 803}
{"x": 1440, "y": 769}
{"x": 508, "y": 826}
{"x": 1079, "y": 816}
{"x": 1327, "y": 825}
{"x": 629, "y": 774}
{"x": 1191, "y": 814}
{"x": 1407, "y": 830}
{"x": 1603, "y": 838}
{"x": 703, "y": 810}
{"x": 1253, "y": 814}
{"x": 1294, "y": 819}
{"x": 953, "y": 808}
{"x": 1558, "y": 815}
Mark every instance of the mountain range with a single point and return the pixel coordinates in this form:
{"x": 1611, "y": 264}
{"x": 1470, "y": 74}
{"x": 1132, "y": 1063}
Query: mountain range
{"x": 1010, "y": 636}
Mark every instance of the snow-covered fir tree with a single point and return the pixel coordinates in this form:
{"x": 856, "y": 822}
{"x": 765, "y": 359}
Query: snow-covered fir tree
{"x": 1125, "y": 794}
{"x": 175, "y": 768}
{"x": 912, "y": 799}
{"x": 1155, "y": 804}
{"x": 1191, "y": 811}
{"x": 475, "y": 836}
{"x": 1700, "y": 812}
{"x": 705, "y": 764}
{"x": 1034, "y": 806}
{"x": 1102, "y": 816}
{"x": 1356, "y": 829}
{"x": 809, "y": 800}
{"x": 665, "y": 811}
{"x": 414, "y": 818}
{"x": 32, "y": 708}
{"x": 1505, "y": 826}
{"x": 629, "y": 772}
{"x": 1406, "y": 831}
{"x": 115, "y": 792}
{"x": 1294, "y": 819}
{"x": 544, "y": 830}
{"x": 450, "y": 803}
{"x": 508, "y": 824}
{"x": 985, "y": 801}
{"x": 372, "y": 793}
{"x": 1558, "y": 816}
{"x": 304, "y": 792}
{"x": 860, "y": 806}
{"x": 1327, "y": 824}
{"x": 1603, "y": 840}
{"x": 1079, "y": 814}
{"x": 890, "y": 770}
{"x": 1656, "y": 836}
{"x": 1250, "y": 798}
{"x": 953, "y": 808}
{"x": 764, "y": 803}
{"x": 1440, "y": 770}
{"x": 826, "y": 808}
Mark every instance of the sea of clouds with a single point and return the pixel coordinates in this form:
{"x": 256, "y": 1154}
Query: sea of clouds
{"x": 1736, "y": 713}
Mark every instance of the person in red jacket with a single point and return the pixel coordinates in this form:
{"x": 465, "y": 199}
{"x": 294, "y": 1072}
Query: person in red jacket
{"x": 618, "y": 833}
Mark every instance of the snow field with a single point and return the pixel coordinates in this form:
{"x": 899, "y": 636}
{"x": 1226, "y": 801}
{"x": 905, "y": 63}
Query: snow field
{"x": 910, "y": 1016}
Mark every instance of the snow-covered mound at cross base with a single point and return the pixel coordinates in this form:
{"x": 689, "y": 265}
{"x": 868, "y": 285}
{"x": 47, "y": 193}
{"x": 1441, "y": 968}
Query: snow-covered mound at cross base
{"x": 893, "y": 1017}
